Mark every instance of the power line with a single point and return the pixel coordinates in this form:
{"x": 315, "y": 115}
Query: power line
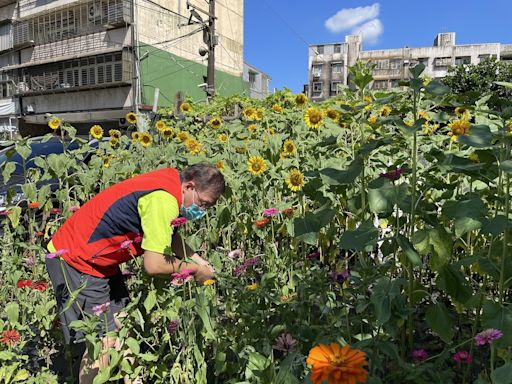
{"x": 166, "y": 9}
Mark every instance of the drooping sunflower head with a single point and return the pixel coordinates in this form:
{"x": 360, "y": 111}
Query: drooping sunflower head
{"x": 314, "y": 118}
{"x": 385, "y": 111}
{"x": 259, "y": 114}
{"x": 277, "y": 108}
{"x": 114, "y": 142}
{"x": 424, "y": 115}
{"x": 251, "y": 127}
{"x": 145, "y": 139}
{"x": 106, "y": 161}
{"x": 256, "y": 165}
{"x": 114, "y": 133}
{"x": 220, "y": 165}
{"x": 301, "y": 99}
{"x": 289, "y": 147}
{"x": 295, "y": 180}
{"x": 215, "y": 122}
{"x": 96, "y": 131}
{"x": 271, "y": 131}
{"x": 185, "y": 107}
{"x": 460, "y": 127}
{"x": 168, "y": 133}
{"x": 182, "y": 136}
{"x": 463, "y": 113}
{"x": 160, "y": 125}
{"x": 54, "y": 123}
{"x": 135, "y": 137}
{"x": 193, "y": 146}
{"x": 333, "y": 114}
{"x": 131, "y": 118}
{"x": 250, "y": 113}
{"x": 223, "y": 138}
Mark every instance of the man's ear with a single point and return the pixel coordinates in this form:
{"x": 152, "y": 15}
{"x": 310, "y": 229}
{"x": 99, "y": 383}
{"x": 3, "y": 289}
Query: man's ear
{"x": 189, "y": 185}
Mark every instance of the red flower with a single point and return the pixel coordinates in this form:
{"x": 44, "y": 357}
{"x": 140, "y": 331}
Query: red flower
{"x": 178, "y": 222}
{"x": 261, "y": 223}
{"x": 39, "y": 234}
{"x": 34, "y": 205}
{"x": 10, "y": 337}
{"x": 40, "y": 286}
{"x": 55, "y": 211}
{"x": 5, "y": 212}
{"x": 288, "y": 211}
{"x": 24, "y": 283}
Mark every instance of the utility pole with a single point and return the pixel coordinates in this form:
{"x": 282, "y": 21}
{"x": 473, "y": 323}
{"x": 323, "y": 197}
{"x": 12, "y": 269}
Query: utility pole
{"x": 212, "y": 41}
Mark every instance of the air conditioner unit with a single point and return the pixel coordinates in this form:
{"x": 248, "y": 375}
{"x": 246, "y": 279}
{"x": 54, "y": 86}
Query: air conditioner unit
{"x": 95, "y": 12}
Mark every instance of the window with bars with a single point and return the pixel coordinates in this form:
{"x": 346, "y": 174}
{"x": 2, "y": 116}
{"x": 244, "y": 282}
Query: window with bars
{"x": 337, "y": 67}
{"x": 56, "y": 25}
{"x": 88, "y": 71}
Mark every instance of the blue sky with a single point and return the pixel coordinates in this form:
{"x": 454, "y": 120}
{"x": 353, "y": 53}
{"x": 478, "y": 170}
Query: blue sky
{"x": 276, "y": 32}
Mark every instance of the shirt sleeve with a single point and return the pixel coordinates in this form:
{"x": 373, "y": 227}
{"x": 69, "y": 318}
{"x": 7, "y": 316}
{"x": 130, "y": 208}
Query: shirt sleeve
{"x": 156, "y": 210}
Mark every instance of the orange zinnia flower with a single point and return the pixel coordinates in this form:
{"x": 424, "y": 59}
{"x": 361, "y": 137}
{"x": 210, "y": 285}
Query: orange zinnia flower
{"x": 34, "y": 205}
{"x": 337, "y": 365}
{"x": 261, "y": 223}
{"x": 10, "y": 337}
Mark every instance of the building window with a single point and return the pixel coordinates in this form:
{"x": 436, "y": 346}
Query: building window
{"x": 336, "y": 67}
{"x": 395, "y": 64}
{"x": 424, "y": 61}
{"x": 442, "y": 61}
{"x": 394, "y": 83}
{"x": 380, "y": 84}
{"x": 483, "y": 57}
{"x": 335, "y": 85}
{"x": 316, "y": 70}
{"x": 337, "y": 48}
{"x": 252, "y": 79}
{"x": 463, "y": 60}
{"x": 320, "y": 49}
{"x": 317, "y": 87}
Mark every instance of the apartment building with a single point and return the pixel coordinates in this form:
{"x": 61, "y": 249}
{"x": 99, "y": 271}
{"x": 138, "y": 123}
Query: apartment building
{"x": 92, "y": 61}
{"x": 328, "y": 63}
{"x": 259, "y": 81}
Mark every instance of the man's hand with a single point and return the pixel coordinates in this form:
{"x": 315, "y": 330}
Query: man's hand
{"x": 204, "y": 270}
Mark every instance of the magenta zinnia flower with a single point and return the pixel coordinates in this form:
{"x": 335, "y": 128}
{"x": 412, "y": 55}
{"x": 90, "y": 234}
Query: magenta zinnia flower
{"x": 419, "y": 355}
{"x": 285, "y": 343}
{"x": 463, "y": 357}
{"x": 101, "y": 308}
{"x": 178, "y": 222}
{"x": 235, "y": 254}
{"x": 137, "y": 239}
{"x": 125, "y": 244}
{"x": 392, "y": 175}
{"x": 488, "y": 336}
{"x": 173, "y": 326}
{"x": 73, "y": 209}
{"x": 57, "y": 253}
{"x": 269, "y": 212}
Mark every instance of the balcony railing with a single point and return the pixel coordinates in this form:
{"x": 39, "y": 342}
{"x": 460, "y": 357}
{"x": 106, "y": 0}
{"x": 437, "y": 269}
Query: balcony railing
{"x": 88, "y": 72}
{"x": 66, "y": 23}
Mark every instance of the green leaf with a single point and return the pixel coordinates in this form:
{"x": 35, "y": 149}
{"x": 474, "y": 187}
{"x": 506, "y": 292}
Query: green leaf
{"x": 150, "y": 301}
{"x": 409, "y": 250}
{"x": 12, "y": 310}
{"x": 23, "y": 149}
{"x": 496, "y": 225}
{"x": 440, "y": 322}
{"x": 14, "y": 215}
{"x": 479, "y": 136}
{"x": 306, "y": 228}
{"x": 133, "y": 345}
{"x": 499, "y": 317}
{"x": 8, "y": 168}
{"x": 442, "y": 245}
{"x": 452, "y": 281}
{"x": 437, "y": 88}
{"x": 148, "y": 357}
{"x": 21, "y": 375}
{"x": 417, "y": 70}
{"x": 362, "y": 238}
{"x": 505, "y": 84}
{"x": 333, "y": 176}
{"x": 383, "y": 195}
{"x": 506, "y": 166}
{"x": 503, "y": 374}
{"x": 202, "y": 310}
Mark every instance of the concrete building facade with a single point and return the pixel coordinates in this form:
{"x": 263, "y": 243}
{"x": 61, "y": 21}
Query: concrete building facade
{"x": 259, "y": 82}
{"x": 92, "y": 61}
{"x": 328, "y": 63}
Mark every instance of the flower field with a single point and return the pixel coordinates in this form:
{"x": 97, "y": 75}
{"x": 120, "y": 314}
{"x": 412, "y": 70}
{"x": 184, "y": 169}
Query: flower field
{"x": 362, "y": 239}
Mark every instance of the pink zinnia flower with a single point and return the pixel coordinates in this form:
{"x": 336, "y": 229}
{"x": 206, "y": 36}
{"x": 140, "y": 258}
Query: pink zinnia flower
{"x": 419, "y": 355}
{"x": 392, "y": 175}
{"x": 73, "y": 209}
{"x": 179, "y": 221}
{"x": 463, "y": 357}
{"x": 57, "y": 253}
{"x": 137, "y": 239}
{"x": 55, "y": 211}
{"x": 285, "y": 343}
{"x": 488, "y": 336}
{"x": 126, "y": 244}
{"x": 101, "y": 308}
{"x": 173, "y": 326}
{"x": 30, "y": 261}
{"x": 269, "y": 212}
{"x": 235, "y": 254}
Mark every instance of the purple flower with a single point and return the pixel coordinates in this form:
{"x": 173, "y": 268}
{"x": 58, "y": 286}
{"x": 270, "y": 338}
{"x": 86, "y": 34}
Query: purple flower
{"x": 30, "y": 261}
{"x": 137, "y": 239}
{"x": 126, "y": 244}
{"x": 235, "y": 254}
{"x": 392, "y": 175}
{"x": 57, "y": 253}
{"x": 73, "y": 209}
{"x": 126, "y": 274}
{"x": 419, "y": 355}
{"x": 488, "y": 336}
{"x": 178, "y": 222}
{"x": 339, "y": 277}
{"x": 173, "y": 326}
{"x": 240, "y": 269}
{"x": 269, "y": 212}
{"x": 463, "y": 357}
{"x": 101, "y": 308}
{"x": 253, "y": 261}
{"x": 285, "y": 343}
{"x": 313, "y": 255}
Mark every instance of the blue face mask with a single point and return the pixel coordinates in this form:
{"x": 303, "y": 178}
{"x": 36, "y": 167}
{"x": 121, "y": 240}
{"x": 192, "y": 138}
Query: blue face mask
{"x": 192, "y": 212}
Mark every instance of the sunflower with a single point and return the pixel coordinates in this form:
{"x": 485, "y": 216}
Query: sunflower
{"x": 385, "y": 111}
{"x": 256, "y": 165}
{"x": 135, "y": 137}
{"x": 271, "y": 131}
{"x": 215, "y": 122}
{"x": 424, "y": 115}
{"x": 145, "y": 139}
{"x": 185, "y": 107}
{"x": 114, "y": 142}
{"x": 96, "y": 131}
{"x": 241, "y": 150}
{"x": 251, "y": 127}
{"x": 301, "y": 99}
{"x": 223, "y": 138}
{"x": 250, "y": 113}
{"x": 160, "y": 125}
{"x": 343, "y": 125}
{"x": 295, "y": 180}
{"x": 333, "y": 114}
{"x": 167, "y": 133}
{"x": 277, "y": 108}
{"x": 372, "y": 120}
{"x": 106, "y": 161}
{"x": 462, "y": 113}
{"x": 259, "y": 114}
{"x": 181, "y": 136}
{"x": 459, "y": 127}
{"x": 54, "y": 123}
{"x": 131, "y": 118}
{"x": 193, "y": 146}
{"x": 220, "y": 165}
{"x": 368, "y": 99}
{"x": 314, "y": 118}
{"x": 337, "y": 365}
{"x": 252, "y": 287}
{"x": 289, "y": 147}
{"x": 114, "y": 133}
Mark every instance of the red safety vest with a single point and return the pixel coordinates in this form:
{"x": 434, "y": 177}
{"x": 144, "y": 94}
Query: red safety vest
{"x": 94, "y": 238}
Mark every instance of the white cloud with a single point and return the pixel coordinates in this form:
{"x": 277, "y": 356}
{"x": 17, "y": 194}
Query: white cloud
{"x": 349, "y": 18}
{"x": 371, "y": 30}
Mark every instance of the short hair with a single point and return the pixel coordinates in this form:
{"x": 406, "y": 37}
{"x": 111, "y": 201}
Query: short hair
{"x": 206, "y": 177}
